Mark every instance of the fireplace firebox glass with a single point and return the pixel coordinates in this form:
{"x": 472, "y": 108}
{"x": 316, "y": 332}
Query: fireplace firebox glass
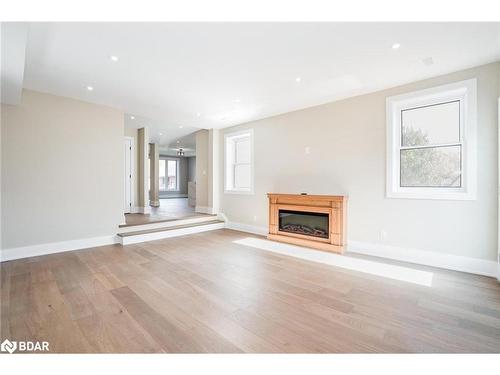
{"x": 307, "y": 223}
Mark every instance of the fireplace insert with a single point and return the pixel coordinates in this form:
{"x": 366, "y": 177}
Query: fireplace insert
{"x": 314, "y": 224}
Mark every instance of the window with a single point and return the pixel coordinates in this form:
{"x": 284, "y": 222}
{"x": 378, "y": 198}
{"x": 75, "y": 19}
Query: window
{"x": 172, "y": 175}
{"x": 168, "y": 172}
{"x": 162, "y": 176}
{"x": 431, "y": 143}
{"x": 238, "y": 160}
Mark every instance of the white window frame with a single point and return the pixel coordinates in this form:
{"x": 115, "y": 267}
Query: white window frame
{"x": 231, "y": 137}
{"x": 465, "y": 92}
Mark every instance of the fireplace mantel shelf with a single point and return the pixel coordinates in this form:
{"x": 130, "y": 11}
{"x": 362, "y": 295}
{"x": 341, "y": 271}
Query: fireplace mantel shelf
{"x": 335, "y": 206}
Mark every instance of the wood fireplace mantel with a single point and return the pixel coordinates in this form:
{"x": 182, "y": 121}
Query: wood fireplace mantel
{"x": 333, "y": 205}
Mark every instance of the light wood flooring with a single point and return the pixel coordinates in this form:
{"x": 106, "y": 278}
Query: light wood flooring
{"x": 169, "y": 209}
{"x": 205, "y": 294}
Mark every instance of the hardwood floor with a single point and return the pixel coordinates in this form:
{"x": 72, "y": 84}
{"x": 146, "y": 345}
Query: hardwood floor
{"x": 204, "y": 293}
{"x": 170, "y": 209}
{"x": 173, "y": 207}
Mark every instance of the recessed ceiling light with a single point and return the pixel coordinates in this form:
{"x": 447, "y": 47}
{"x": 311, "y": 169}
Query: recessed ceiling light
{"x": 298, "y": 79}
{"x": 180, "y": 126}
{"x": 114, "y": 58}
{"x": 237, "y": 100}
{"x": 178, "y": 141}
{"x": 160, "y": 133}
{"x": 396, "y": 46}
{"x": 198, "y": 114}
{"x": 132, "y": 117}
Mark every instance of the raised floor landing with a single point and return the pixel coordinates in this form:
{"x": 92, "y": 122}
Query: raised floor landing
{"x": 170, "y": 209}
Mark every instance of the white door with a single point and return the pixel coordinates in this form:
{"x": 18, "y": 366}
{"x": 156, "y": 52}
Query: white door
{"x": 128, "y": 175}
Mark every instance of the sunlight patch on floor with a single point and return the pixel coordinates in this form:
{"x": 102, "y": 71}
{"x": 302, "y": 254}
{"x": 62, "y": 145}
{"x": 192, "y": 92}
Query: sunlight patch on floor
{"x": 355, "y": 264}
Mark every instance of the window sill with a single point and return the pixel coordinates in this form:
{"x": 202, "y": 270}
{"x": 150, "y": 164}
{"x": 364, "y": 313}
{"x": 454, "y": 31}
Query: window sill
{"x": 241, "y": 192}
{"x": 431, "y": 195}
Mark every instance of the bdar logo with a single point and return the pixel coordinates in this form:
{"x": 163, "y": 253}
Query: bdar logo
{"x": 8, "y": 346}
{"x": 24, "y": 346}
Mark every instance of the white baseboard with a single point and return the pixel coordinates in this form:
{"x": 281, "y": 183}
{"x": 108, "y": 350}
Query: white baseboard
{"x": 427, "y": 258}
{"x": 222, "y": 216}
{"x": 204, "y": 210}
{"x": 55, "y": 247}
{"x": 498, "y": 266}
{"x": 424, "y": 257}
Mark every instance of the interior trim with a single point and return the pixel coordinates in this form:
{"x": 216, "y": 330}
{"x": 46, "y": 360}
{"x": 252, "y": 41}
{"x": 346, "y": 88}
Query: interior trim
{"x": 55, "y": 247}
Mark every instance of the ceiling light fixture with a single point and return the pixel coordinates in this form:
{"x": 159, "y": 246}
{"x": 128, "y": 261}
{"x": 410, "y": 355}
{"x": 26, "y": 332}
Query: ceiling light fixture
{"x": 198, "y": 114}
{"x": 298, "y": 79}
{"x": 114, "y": 58}
{"x": 396, "y": 46}
{"x": 237, "y": 100}
{"x": 132, "y": 117}
{"x": 160, "y": 133}
{"x": 180, "y": 126}
{"x": 178, "y": 142}
{"x": 90, "y": 88}
{"x": 180, "y": 152}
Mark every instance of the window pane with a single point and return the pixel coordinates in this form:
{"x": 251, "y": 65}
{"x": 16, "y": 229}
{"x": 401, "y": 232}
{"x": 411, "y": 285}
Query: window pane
{"x": 431, "y": 125}
{"x": 172, "y": 183}
{"x": 242, "y": 176}
{"x": 162, "y": 168}
{"x": 161, "y": 173}
{"x": 172, "y": 167}
{"x": 431, "y": 167}
{"x": 242, "y": 150}
{"x": 171, "y": 174}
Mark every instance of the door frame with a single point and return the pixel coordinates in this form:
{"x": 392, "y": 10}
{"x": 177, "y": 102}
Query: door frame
{"x": 132, "y": 175}
{"x": 498, "y": 195}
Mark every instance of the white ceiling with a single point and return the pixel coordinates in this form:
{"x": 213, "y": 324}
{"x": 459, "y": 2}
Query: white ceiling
{"x": 204, "y": 75}
{"x": 187, "y": 143}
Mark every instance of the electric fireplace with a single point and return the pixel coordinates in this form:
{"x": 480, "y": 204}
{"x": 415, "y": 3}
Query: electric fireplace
{"x": 303, "y": 222}
{"x": 317, "y": 221}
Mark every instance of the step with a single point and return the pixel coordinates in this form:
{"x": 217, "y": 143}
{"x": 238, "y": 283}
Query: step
{"x": 168, "y": 232}
{"x": 167, "y": 223}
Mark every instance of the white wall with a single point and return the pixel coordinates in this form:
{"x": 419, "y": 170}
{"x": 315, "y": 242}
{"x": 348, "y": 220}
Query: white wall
{"x": 191, "y": 169}
{"x": 347, "y": 156}
{"x": 62, "y": 170}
